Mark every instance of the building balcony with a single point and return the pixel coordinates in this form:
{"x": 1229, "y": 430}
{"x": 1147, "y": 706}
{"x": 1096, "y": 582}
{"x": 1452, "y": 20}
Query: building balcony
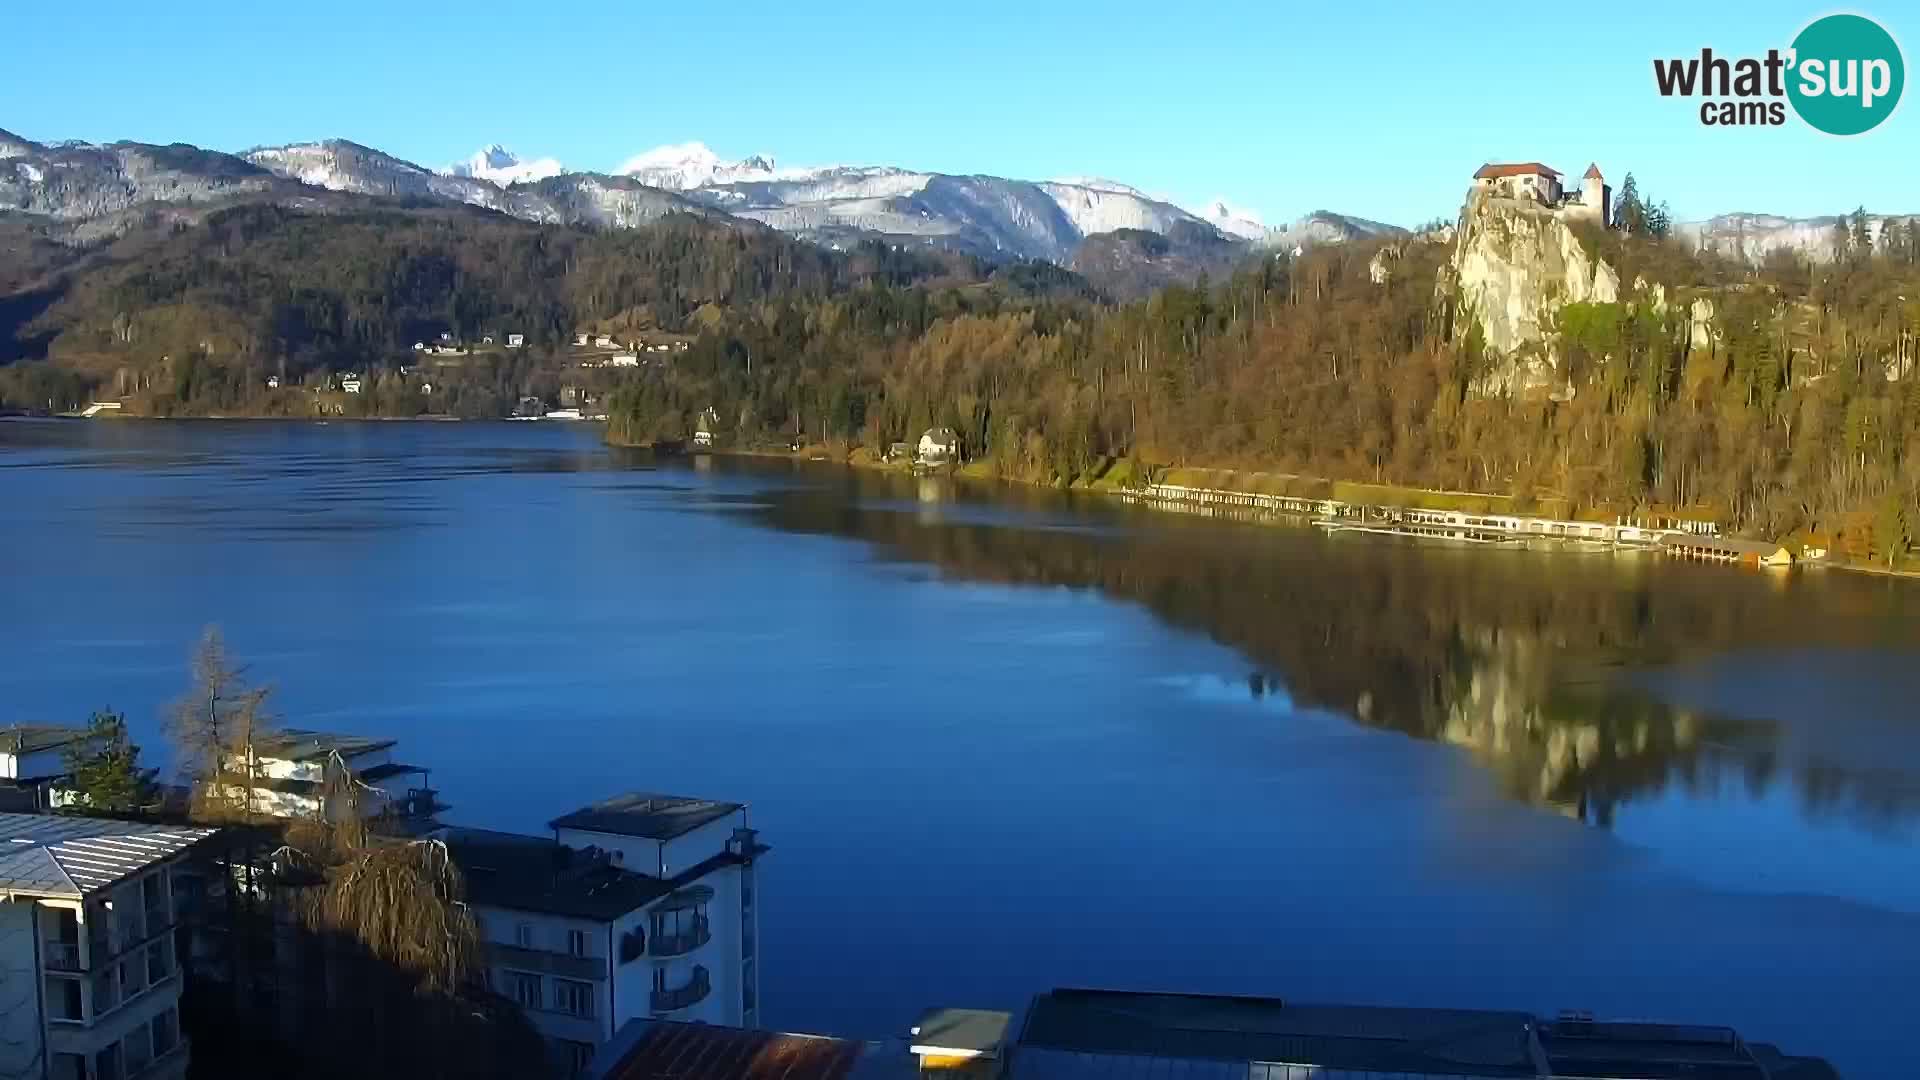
{"x": 172, "y": 1063}
{"x": 61, "y": 955}
{"x": 683, "y": 940}
{"x": 681, "y": 997}
{"x": 547, "y": 962}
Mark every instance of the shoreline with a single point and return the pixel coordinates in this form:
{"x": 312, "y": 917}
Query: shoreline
{"x": 1122, "y": 489}
{"x": 1135, "y": 497}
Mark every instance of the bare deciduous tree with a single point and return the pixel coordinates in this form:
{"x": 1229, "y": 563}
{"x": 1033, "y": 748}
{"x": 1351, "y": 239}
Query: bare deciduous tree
{"x": 214, "y": 728}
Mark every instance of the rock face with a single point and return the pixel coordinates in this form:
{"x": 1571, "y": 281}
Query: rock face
{"x": 1515, "y": 265}
{"x": 1750, "y": 237}
{"x": 77, "y": 182}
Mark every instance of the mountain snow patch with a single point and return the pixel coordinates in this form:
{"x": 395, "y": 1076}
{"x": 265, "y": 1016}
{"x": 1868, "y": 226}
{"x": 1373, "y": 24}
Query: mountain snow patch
{"x": 498, "y": 165}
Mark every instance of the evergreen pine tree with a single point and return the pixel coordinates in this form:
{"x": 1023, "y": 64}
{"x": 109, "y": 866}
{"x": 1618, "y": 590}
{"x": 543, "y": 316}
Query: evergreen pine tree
{"x": 106, "y": 771}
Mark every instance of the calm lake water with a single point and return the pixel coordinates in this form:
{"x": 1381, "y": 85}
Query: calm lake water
{"x": 1002, "y": 740}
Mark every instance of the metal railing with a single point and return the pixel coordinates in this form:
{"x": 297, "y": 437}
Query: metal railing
{"x": 61, "y": 955}
{"x": 680, "y": 997}
{"x": 683, "y": 940}
{"x": 160, "y": 1062}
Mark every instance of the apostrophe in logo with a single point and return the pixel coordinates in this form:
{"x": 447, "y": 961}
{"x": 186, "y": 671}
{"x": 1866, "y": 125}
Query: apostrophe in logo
{"x": 1843, "y": 75}
{"x": 1847, "y": 74}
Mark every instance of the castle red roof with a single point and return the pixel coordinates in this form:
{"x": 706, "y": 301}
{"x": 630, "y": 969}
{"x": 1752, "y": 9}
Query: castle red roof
{"x": 1593, "y": 173}
{"x": 1491, "y": 171}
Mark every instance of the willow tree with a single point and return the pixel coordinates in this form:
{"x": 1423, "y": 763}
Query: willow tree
{"x": 404, "y": 970}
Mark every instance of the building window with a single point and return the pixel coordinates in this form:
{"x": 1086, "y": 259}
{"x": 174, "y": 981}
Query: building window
{"x": 633, "y": 945}
{"x": 572, "y": 997}
{"x": 153, "y": 895}
{"x": 166, "y": 1032}
{"x": 526, "y": 989}
{"x": 577, "y": 943}
{"x": 572, "y": 1057}
{"x": 523, "y": 935}
{"x": 106, "y": 1064}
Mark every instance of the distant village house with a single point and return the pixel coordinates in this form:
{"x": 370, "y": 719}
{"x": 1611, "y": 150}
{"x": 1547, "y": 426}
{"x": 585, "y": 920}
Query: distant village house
{"x": 515, "y": 341}
{"x": 938, "y": 446}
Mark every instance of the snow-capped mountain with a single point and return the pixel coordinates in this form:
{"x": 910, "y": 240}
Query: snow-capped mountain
{"x": 837, "y": 205}
{"x": 567, "y": 198}
{"x": 86, "y": 192}
{"x": 1327, "y": 227}
{"x": 685, "y": 166}
{"x": 1751, "y": 236}
{"x": 1244, "y": 224}
{"x": 499, "y": 166}
{"x": 340, "y": 165}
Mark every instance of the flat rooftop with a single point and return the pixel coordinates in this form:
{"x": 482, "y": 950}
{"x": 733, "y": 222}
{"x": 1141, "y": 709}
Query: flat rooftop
{"x": 1656, "y": 1051}
{"x": 647, "y": 815}
{"x": 1118, "y": 1033}
{"x": 32, "y": 738}
{"x": 962, "y": 1032}
{"x": 300, "y": 744}
{"x": 77, "y": 857}
{"x": 537, "y": 873}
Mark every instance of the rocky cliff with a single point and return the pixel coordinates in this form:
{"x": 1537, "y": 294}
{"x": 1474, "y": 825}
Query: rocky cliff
{"x": 76, "y": 181}
{"x": 1515, "y": 264}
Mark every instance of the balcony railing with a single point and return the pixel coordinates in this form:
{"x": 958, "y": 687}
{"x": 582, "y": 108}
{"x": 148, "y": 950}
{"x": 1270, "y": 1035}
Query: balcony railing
{"x": 682, "y": 940}
{"x": 160, "y": 1064}
{"x": 61, "y": 955}
{"x": 680, "y": 997}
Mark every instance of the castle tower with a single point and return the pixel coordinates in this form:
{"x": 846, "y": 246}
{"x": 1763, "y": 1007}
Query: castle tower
{"x": 1595, "y": 194}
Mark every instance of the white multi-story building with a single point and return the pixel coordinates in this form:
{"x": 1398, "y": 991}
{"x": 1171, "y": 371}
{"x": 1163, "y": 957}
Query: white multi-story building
{"x": 89, "y": 979}
{"x": 33, "y": 758}
{"x": 641, "y": 906}
{"x": 294, "y": 772}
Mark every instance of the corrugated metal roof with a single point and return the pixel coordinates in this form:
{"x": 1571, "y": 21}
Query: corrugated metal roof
{"x": 77, "y": 856}
{"x": 665, "y": 1050}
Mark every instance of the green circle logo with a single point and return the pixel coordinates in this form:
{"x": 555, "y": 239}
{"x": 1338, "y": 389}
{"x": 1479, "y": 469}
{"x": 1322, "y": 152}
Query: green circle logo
{"x": 1847, "y": 74}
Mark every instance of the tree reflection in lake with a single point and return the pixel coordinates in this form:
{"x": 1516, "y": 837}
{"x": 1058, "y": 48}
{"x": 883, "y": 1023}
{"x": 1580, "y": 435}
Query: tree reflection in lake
{"x": 1527, "y": 659}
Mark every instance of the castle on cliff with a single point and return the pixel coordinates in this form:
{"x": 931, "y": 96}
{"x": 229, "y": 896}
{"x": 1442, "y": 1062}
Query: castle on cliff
{"x": 1531, "y": 181}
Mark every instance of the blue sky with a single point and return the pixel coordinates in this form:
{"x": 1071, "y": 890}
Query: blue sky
{"x": 1376, "y": 109}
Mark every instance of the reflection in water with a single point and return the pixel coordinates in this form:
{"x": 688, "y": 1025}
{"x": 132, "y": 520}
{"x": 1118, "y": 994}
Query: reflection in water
{"x": 1516, "y": 656}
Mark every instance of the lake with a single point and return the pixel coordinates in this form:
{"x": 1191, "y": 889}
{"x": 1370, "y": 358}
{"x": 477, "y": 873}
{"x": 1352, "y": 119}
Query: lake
{"x": 1003, "y": 740}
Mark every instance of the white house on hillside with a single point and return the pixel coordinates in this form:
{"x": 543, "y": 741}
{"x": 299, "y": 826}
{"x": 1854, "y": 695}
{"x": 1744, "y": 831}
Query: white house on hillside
{"x": 938, "y": 446}
{"x": 641, "y": 906}
{"x": 515, "y": 341}
{"x": 87, "y": 921}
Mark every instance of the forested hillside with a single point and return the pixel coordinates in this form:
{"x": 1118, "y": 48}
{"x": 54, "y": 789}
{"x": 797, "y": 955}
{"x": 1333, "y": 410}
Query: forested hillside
{"x": 1801, "y": 410}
